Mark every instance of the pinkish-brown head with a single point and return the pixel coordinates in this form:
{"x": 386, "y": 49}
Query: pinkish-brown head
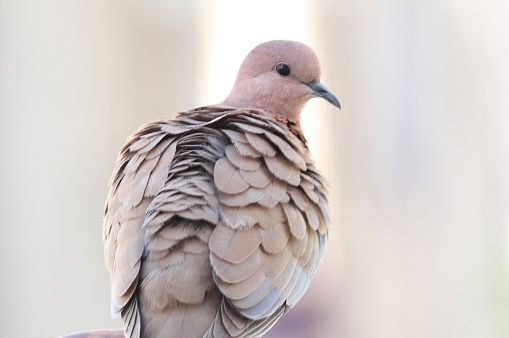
{"x": 279, "y": 77}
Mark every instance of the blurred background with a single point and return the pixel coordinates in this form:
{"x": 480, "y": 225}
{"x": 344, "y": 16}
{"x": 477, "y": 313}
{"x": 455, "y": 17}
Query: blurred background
{"x": 418, "y": 157}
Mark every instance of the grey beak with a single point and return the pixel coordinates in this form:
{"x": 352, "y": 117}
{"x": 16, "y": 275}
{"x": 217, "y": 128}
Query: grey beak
{"x": 321, "y": 91}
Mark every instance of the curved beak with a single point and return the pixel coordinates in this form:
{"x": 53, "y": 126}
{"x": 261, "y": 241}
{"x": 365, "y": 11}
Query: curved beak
{"x": 320, "y": 90}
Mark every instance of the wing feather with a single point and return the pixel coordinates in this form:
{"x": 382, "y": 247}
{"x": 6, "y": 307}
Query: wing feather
{"x": 265, "y": 248}
{"x": 220, "y": 209}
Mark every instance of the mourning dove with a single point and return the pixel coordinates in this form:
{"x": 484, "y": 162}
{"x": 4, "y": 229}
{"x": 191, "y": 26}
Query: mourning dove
{"x": 216, "y": 221}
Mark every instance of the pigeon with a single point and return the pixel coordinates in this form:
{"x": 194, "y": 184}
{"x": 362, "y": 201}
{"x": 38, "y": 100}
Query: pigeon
{"x": 217, "y": 220}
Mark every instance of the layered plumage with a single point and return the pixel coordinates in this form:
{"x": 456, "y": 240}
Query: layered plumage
{"x": 217, "y": 220}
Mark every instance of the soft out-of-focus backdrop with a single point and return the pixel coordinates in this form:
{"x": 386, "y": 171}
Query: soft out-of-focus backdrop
{"x": 418, "y": 157}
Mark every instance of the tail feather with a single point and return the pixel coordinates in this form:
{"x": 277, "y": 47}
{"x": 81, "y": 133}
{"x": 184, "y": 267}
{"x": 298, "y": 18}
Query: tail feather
{"x": 229, "y": 323}
{"x": 131, "y": 318}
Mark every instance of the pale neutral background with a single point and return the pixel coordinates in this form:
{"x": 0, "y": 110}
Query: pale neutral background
{"x": 419, "y": 155}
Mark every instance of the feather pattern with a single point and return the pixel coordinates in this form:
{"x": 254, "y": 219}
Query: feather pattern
{"x": 214, "y": 226}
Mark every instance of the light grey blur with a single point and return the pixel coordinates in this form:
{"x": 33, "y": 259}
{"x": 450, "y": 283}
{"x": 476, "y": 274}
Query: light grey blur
{"x": 418, "y": 156}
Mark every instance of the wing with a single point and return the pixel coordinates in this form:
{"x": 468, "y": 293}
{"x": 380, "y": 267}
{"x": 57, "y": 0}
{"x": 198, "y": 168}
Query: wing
{"x": 273, "y": 226}
{"x": 140, "y": 174}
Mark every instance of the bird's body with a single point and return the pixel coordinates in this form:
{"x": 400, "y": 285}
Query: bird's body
{"x": 217, "y": 220}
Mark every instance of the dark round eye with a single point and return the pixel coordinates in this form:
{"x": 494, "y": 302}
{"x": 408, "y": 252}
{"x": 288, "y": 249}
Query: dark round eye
{"x": 283, "y": 69}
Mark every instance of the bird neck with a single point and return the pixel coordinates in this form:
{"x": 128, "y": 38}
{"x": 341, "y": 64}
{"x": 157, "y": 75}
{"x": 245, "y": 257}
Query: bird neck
{"x": 293, "y": 127}
{"x": 270, "y": 100}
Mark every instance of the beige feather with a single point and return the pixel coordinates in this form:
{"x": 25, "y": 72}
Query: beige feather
{"x": 261, "y": 144}
{"x": 255, "y": 297}
{"x": 247, "y": 149}
{"x": 241, "y": 162}
{"x": 284, "y": 277}
{"x": 288, "y": 151}
{"x": 295, "y": 221}
{"x": 234, "y": 273}
{"x": 258, "y": 178}
{"x": 234, "y": 245}
{"x": 276, "y": 263}
{"x": 227, "y": 177}
{"x": 299, "y": 198}
{"x": 276, "y": 240}
{"x": 283, "y": 169}
{"x": 243, "y": 288}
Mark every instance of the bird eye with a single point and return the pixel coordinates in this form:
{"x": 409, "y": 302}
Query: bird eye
{"x": 283, "y": 69}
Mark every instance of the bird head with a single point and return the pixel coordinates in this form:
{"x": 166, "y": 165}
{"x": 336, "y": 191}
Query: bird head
{"x": 279, "y": 77}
